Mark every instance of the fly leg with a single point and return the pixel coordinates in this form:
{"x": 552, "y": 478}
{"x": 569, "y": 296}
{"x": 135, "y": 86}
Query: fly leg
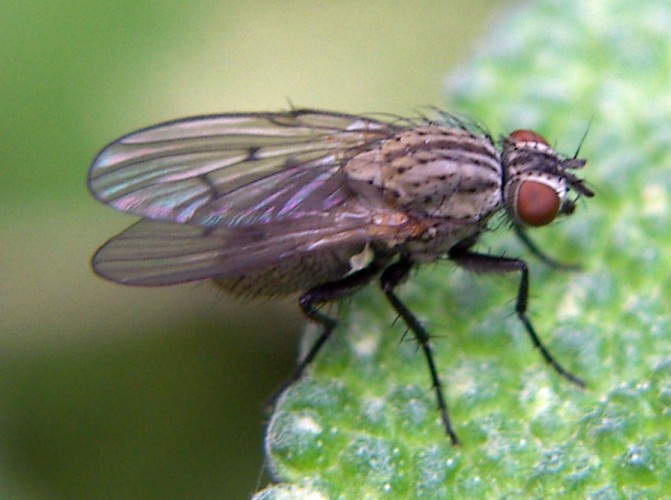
{"x": 540, "y": 255}
{"x": 391, "y": 277}
{"x": 309, "y": 303}
{"x": 482, "y": 263}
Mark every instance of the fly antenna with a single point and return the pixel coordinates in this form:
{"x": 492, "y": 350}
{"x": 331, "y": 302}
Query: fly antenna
{"x": 584, "y": 136}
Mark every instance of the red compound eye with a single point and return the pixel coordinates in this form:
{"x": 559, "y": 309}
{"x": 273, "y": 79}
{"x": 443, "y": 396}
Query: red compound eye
{"x": 524, "y": 135}
{"x": 537, "y": 203}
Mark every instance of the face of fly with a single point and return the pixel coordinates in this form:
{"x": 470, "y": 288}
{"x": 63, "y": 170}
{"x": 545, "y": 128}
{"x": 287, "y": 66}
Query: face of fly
{"x": 537, "y": 180}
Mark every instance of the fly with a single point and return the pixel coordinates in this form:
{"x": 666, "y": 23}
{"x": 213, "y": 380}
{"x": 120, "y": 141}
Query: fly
{"x": 321, "y": 204}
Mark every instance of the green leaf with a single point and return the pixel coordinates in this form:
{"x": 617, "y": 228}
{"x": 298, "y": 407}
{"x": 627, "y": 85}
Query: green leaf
{"x": 363, "y": 424}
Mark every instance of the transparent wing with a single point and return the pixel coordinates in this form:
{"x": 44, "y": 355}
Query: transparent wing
{"x": 155, "y": 253}
{"x": 233, "y": 169}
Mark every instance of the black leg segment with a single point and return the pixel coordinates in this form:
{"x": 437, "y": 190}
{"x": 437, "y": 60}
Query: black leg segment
{"x": 310, "y": 302}
{"x": 540, "y": 255}
{"x": 483, "y": 263}
{"x": 391, "y": 277}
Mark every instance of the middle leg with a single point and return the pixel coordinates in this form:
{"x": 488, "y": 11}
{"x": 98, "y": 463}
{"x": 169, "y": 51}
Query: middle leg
{"x": 391, "y": 277}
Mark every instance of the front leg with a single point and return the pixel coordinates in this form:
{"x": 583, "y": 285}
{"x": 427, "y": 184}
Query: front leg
{"x": 539, "y": 254}
{"x": 483, "y": 263}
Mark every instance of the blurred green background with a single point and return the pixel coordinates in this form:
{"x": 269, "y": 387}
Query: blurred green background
{"x": 115, "y": 392}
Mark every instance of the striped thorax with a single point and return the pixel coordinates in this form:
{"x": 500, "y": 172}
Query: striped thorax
{"x": 435, "y": 171}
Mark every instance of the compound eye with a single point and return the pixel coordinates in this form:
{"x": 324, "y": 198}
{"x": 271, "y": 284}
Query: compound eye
{"x": 537, "y": 203}
{"x": 524, "y": 135}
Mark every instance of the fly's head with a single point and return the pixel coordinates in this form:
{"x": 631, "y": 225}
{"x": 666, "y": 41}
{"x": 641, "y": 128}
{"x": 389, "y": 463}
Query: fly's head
{"x": 537, "y": 180}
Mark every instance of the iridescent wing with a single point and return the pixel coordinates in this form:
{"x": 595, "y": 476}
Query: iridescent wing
{"x": 234, "y": 169}
{"x": 155, "y": 253}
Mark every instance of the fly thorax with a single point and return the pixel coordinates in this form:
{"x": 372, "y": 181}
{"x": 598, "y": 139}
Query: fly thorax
{"x": 435, "y": 171}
